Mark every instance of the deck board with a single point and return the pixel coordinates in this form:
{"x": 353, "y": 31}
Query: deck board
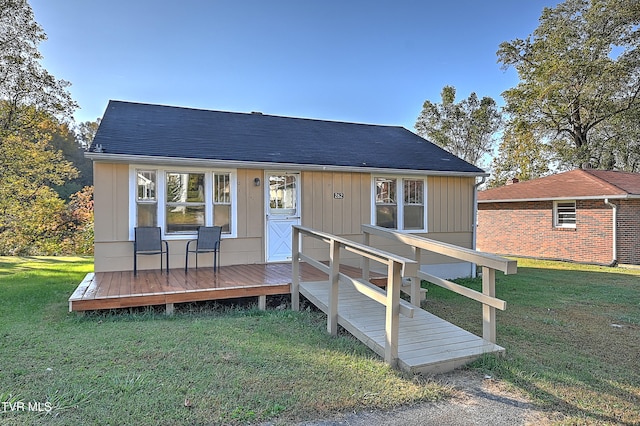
{"x": 121, "y": 289}
{"x": 426, "y": 343}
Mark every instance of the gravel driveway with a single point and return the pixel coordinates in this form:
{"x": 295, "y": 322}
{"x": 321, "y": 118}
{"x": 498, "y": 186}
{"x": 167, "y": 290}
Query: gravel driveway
{"x": 478, "y": 401}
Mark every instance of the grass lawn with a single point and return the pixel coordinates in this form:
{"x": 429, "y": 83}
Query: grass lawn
{"x": 572, "y": 335}
{"x": 201, "y": 366}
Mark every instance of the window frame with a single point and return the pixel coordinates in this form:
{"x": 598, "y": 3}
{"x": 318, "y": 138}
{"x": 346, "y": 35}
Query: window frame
{"x": 161, "y": 198}
{"x": 400, "y": 201}
{"x": 557, "y": 223}
{"x": 145, "y": 201}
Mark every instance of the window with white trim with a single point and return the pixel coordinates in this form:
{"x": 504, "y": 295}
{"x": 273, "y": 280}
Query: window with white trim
{"x": 564, "y": 214}
{"x": 399, "y": 203}
{"x": 179, "y": 200}
{"x": 413, "y": 211}
{"x": 222, "y": 201}
{"x": 146, "y": 200}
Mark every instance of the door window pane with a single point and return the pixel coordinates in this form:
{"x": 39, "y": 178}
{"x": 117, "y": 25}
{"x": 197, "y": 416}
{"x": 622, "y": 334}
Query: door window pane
{"x": 283, "y": 194}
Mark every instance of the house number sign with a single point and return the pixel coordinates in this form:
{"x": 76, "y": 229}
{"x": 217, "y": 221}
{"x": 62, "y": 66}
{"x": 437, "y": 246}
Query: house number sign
{"x": 338, "y": 195}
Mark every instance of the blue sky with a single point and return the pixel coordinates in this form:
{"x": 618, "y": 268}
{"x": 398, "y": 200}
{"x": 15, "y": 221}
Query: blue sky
{"x": 362, "y": 61}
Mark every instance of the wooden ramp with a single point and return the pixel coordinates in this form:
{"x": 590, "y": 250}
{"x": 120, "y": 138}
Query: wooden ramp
{"x": 426, "y": 343}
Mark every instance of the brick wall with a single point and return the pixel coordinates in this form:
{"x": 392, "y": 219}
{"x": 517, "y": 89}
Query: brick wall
{"x": 628, "y": 231}
{"x": 526, "y": 229}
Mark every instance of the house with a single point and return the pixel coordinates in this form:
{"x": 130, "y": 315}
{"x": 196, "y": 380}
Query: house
{"x": 256, "y": 175}
{"x": 587, "y": 216}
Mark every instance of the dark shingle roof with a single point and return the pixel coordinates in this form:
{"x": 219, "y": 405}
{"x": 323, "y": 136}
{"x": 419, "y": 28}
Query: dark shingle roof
{"x": 134, "y": 129}
{"x": 568, "y": 185}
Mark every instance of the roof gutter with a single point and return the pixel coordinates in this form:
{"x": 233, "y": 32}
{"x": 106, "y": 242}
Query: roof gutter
{"x": 586, "y": 197}
{"x": 474, "y": 227}
{"x": 614, "y": 262}
{"x": 202, "y": 162}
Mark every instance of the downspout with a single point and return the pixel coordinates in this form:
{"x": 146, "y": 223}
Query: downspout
{"x": 475, "y": 222}
{"x": 614, "y": 262}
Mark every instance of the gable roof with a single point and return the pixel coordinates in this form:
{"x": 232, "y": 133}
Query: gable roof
{"x": 575, "y": 184}
{"x": 136, "y": 132}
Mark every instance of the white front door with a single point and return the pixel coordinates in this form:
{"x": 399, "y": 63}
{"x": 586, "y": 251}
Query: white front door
{"x": 283, "y": 211}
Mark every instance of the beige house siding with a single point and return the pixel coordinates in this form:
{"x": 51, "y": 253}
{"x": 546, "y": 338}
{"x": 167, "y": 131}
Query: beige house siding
{"x": 449, "y": 216}
{"x": 111, "y": 204}
{"x": 111, "y": 217}
{"x": 338, "y": 216}
{"x": 450, "y": 205}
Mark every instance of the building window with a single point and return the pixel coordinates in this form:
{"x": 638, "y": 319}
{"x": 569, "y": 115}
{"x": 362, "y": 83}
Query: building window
{"x": 386, "y": 203}
{"x": 413, "y": 204}
{"x": 181, "y": 200}
{"x": 222, "y": 201}
{"x": 185, "y": 207}
{"x": 399, "y": 203}
{"x": 564, "y": 214}
{"x": 146, "y": 201}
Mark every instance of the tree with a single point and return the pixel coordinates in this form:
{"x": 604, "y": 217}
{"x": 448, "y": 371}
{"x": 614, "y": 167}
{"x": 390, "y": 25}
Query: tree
{"x": 86, "y": 132}
{"x": 31, "y": 212}
{"x": 519, "y": 156}
{"x": 26, "y": 89}
{"x": 465, "y": 129}
{"x": 34, "y": 140}
{"x": 69, "y": 143}
{"x": 77, "y": 226}
{"x": 579, "y": 74}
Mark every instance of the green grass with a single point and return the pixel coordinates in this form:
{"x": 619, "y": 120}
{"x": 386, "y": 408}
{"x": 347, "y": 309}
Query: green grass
{"x": 572, "y": 337}
{"x": 571, "y": 333}
{"x": 218, "y": 365}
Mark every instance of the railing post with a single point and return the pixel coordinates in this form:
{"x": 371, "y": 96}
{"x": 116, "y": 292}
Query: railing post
{"x": 392, "y": 319}
{"x": 332, "y": 308}
{"x": 365, "y": 260}
{"x": 415, "y": 281}
{"x": 295, "y": 270}
{"x": 489, "y": 312}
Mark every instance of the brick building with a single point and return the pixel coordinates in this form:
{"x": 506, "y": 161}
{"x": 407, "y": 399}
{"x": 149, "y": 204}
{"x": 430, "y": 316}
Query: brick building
{"x": 587, "y": 216}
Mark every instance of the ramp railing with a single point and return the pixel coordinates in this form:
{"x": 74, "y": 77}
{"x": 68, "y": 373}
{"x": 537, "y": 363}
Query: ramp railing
{"x": 489, "y": 263}
{"x": 397, "y": 267}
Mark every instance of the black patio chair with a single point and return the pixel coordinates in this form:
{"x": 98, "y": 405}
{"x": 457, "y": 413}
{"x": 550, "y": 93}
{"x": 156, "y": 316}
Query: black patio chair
{"x": 148, "y": 240}
{"x": 208, "y": 242}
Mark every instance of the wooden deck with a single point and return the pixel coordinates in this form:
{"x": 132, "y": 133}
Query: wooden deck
{"x": 113, "y": 290}
{"x": 426, "y": 343}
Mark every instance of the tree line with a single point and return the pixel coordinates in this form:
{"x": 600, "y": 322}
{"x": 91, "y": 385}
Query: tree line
{"x": 46, "y": 197}
{"x": 577, "y": 104}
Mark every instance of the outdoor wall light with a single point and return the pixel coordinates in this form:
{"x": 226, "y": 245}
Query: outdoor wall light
{"x": 256, "y": 181}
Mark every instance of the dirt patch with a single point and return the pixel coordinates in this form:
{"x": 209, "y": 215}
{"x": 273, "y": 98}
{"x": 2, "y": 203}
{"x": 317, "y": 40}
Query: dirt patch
{"x": 477, "y": 400}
